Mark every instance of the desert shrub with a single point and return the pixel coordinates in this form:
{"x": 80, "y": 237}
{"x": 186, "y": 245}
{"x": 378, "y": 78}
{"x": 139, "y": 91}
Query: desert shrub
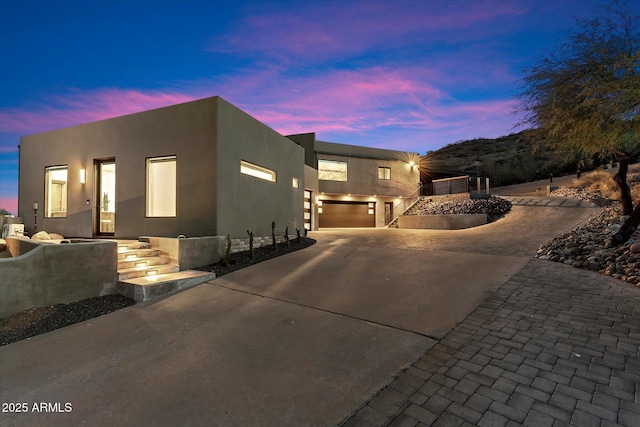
{"x": 599, "y": 182}
{"x": 251, "y": 251}
{"x": 227, "y": 254}
{"x": 635, "y": 192}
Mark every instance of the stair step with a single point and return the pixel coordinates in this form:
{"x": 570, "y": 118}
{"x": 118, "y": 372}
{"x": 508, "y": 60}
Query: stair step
{"x": 149, "y": 287}
{"x": 132, "y": 245}
{"x": 127, "y": 254}
{"x": 142, "y": 262}
{"x": 148, "y": 270}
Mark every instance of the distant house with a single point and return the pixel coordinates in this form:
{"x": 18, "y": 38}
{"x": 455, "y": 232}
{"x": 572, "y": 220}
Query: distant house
{"x": 203, "y": 168}
{"x": 359, "y": 186}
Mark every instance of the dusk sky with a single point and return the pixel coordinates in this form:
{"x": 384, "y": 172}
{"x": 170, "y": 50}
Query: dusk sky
{"x": 408, "y": 75}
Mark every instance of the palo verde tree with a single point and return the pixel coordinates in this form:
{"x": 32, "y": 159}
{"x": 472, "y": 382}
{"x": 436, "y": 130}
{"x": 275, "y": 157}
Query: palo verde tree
{"x": 585, "y": 96}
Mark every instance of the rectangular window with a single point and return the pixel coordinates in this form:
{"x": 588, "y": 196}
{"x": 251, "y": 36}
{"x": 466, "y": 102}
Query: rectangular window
{"x": 161, "y": 187}
{"x": 257, "y": 171}
{"x": 329, "y": 170}
{"x": 55, "y": 192}
{"x": 296, "y": 183}
{"x": 384, "y": 172}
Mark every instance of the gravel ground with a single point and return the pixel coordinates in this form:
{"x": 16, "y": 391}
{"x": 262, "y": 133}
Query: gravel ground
{"x": 36, "y": 321}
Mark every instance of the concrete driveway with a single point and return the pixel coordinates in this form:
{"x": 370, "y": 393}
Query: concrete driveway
{"x": 304, "y": 339}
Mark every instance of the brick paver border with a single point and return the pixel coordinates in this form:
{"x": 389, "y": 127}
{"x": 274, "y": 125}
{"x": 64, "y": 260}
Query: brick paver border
{"x": 553, "y": 346}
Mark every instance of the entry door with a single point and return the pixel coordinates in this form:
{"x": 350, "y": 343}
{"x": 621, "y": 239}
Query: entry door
{"x": 388, "y": 212}
{"x": 105, "y": 217}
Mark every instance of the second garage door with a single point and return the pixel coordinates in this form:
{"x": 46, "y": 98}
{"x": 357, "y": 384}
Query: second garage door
{"x": 346, "y": 214}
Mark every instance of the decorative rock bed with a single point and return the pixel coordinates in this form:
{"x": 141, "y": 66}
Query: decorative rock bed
{"x": 588, "y": 246}
{"x": 493, "y": 207}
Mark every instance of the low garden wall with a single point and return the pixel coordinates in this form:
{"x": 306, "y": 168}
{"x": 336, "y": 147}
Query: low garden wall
{"x": 189, "y": 252}
{"x": 441, "y": 222}
{"x": 46, "y": 273}
{"x": 193, "y": 252}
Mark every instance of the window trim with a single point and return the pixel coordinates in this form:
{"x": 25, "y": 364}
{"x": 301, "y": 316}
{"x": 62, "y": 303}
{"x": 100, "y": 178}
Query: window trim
{"x": 346, "y": 170}
{"x": 257, "y": 171}
{"x": 384, "y": 169}
{"x": 47, "y": 207}
{"x": 160, "y": 159}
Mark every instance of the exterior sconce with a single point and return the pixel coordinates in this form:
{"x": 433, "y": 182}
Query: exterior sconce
{"x": 83, "y": 176}
{"x": 412, "y": 164}
{"x": 35, "y": 217}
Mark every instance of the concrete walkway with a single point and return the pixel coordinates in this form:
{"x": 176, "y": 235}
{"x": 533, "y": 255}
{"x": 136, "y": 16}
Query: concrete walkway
{"x": 313, "y": 337}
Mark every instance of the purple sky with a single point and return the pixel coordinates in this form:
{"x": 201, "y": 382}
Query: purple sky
{"x": 407, "y": 75}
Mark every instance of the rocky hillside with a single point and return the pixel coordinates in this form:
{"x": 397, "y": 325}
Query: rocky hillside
{"x": 510, "y": 159}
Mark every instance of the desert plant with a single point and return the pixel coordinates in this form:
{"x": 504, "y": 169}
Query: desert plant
{"x": 286, "y": 235}
{"x": 105, "y": 202}
{"x": 273, "y": 235}
{"x": 250, "y": 233}
{"x": 600, "y": 182}
{"x": 227, "y": 254}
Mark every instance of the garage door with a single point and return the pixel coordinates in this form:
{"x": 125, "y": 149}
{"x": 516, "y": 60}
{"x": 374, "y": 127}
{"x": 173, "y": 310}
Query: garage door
{"x": 346, "y": 214}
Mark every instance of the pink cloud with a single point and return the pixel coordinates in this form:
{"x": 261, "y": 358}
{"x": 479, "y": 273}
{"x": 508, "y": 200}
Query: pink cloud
{"x": 76, "y": 107}
{"x": 398, "y": 105}
{"x": 9, "y": 203}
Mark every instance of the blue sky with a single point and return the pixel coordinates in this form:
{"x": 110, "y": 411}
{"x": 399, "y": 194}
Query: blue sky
{"x": 409, "y": 75}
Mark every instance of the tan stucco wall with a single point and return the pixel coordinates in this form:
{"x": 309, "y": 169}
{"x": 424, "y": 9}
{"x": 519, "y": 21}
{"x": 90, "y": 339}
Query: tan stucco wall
{"x": 442, "y": 222}
{"x": 190, "y": 252}
{"x": 43, "y": 273}
{"x": 209, "y": 137}
{"x": 362, "y": 177}
{"x": 184, "y": 130}
{"x": 248, "y": 203}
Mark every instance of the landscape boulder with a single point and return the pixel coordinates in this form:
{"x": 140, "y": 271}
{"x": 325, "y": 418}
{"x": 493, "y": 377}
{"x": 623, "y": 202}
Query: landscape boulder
{"x": 41, "y": 235}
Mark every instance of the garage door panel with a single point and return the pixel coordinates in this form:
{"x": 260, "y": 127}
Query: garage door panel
{"x": 340, "y": 214}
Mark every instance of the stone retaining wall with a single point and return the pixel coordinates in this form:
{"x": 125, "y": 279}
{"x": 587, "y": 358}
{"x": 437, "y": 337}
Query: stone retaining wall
{"x": 444, "y": 198}
{"x": 240, "y": 245}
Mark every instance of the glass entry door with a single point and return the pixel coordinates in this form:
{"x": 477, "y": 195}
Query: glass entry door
{"x": 105, "y": 197}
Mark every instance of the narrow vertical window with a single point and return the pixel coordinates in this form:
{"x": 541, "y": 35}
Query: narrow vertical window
{"x": 55, "y": 192}
{"x": 296, "y": 183}
{"x": 161, "y": 187}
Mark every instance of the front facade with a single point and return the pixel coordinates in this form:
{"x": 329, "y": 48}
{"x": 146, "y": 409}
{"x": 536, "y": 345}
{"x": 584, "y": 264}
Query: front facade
{"x": 194, "y": 169}
{"x": 203, "y": 168}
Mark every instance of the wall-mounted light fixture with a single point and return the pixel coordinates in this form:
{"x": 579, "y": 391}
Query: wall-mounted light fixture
{"x": 83, "y": 176}
{"x": 412, "y": 163}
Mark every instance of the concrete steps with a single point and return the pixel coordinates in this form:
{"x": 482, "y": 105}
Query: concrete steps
{"x": 149, "y": 287}
{"x": 145, "y": 273}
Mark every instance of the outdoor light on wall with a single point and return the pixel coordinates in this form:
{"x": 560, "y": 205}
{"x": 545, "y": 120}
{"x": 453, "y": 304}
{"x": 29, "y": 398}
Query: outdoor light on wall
{"x": 83, "y": 176}
{"x": 412, "y": 163}
{"x": 35, "y": 217}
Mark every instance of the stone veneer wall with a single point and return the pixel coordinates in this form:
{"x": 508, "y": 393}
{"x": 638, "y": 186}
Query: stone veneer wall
{"x": 239, "y": 245}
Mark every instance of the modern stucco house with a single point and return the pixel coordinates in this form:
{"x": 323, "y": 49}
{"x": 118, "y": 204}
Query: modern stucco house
{"x": 203, "y": 168}
{"x": 358, "y": 186}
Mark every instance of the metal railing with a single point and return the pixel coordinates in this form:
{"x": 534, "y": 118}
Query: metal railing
{"x": 405, "y": 204}
{"x": 460, "y": 184}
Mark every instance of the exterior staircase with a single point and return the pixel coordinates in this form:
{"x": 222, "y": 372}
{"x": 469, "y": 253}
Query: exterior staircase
{"x": 145, "y": 273}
